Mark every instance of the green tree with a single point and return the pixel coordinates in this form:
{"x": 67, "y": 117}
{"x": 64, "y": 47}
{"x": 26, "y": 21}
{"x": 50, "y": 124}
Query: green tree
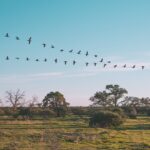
{"x": 109, "y": 97}
{"x": 101, "y": 99}
{"x": 115, "y": 93}
{"x": 56, "y": 102}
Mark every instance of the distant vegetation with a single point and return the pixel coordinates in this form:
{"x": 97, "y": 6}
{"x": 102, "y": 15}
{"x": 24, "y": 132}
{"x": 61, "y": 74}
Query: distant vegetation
{"x": 113, "y": 121}
{"x": 54, "y": 104}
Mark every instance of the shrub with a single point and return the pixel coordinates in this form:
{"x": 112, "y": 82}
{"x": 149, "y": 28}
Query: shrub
{"x": 131, "y": 112}
{"x": 119, "y": 111}
{"x": 105, "y": 119}
{"x": 78, "y": 111}
{"x": 2, "y": 112}
{"x": 148, "y": 112}
{"x": 24, "y": 112}
{"x": 46, "y": 113}
{"x": 9, "y": 111}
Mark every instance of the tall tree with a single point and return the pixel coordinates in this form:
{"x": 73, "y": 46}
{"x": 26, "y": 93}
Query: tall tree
{"x": 101, "y": 99}
{"x": 109, "y": 97}
{"x": 115, "y": 93}
{"x": 57, "y": 102}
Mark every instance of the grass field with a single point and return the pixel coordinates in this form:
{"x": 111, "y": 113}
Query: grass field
{"x": 73, "y": 133}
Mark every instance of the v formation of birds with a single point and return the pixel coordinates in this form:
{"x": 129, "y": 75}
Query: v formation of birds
{"x": 104, "y": 63}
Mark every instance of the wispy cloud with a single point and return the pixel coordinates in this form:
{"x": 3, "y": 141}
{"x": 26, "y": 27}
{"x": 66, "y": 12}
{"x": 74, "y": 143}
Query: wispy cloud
{"x": 28, "y": 77}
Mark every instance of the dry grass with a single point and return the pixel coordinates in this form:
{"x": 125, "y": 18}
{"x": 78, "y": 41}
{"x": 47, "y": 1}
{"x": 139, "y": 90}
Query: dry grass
{"x": 73, "y": 133}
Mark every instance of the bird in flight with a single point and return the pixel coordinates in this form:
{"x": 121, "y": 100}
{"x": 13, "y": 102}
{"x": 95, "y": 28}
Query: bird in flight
{"x": 44, "y": 45}
{"x": 71, "y": 51}
{"x": 17, "y": 58}
{"x": 45, "y": 60}
{"x": 29, "y": 40}
{"x": 56, "y": 60}
{"x": 115, "y": 66}
{"x": 61, "y": 50}
{"x": 74, "y": 62}
{"x": 65, "y": 62}
{"x": 95, "y": 55}
{"x": 27, "y": 59}
{"x": 7, "y": 58}
{"x": 6, "y": 35}
{"x": 17, "y": 38}
{"x": 124, "y": 66}
{"x": 79, "y": 52}
{"x": 101, "y": 60}
{"x": 133, "y": 66}
{"x": 52, "y": 46}
{"x": 108, "y": 62}
{"x": 37, "y": 60}
{"x": 86, "y": 63}
{"x": 105, "y": 65}
{"x": 87, "y": 53}
{"x": 95, "y": 64}
{"x": 143, "y": 67}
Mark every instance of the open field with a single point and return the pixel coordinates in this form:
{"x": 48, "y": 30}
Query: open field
{"x": 72, "y": 132}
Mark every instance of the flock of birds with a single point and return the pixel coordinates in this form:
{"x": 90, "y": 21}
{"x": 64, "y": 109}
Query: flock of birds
{"x": 105, "y": 64}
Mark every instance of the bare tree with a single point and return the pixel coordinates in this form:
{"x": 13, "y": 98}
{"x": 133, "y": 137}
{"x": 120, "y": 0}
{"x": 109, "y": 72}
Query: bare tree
{"x": 16, "y": 98}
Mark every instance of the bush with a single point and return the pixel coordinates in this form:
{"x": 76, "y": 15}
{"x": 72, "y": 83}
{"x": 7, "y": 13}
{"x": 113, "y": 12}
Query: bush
{"x": 148, "y": 112}
{"x": 25, "y": 112}
{"x": 131, "y": 112}
{"x": 119, "y": 111}
{"x": 46, "y": 113}
{"x": 9, "y": 111}
{"x": 105, "y": 119}
{"x": 78, "y": 111}
{"x": 2, "y": 113}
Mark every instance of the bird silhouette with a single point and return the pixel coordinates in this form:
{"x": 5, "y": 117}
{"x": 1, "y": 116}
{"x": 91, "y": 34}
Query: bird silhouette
{"x": 44, "y": 45}
{"x": 56, "y": 60}
{"x": 6, "y": 35}
{"x": 86, "y": 63}
{"x": 17, "y": 38}
{"x": 61, "y": 50}
{"x": 29, "y": 40}
{"x": 95, "y": 55}
{"x": 143, "y": 67}
{"x": 95, "y": 64}
{"x": 71, "y": 51}
{"x": 7, "y": 58}
{"x": 87, "y": 53}
{"x": 17, "y": 58}
{"x": 115, "y": 66}
{"x": 125, "y": 66}
{"x": 133, "y": 66}
{"x": 65, "y": 62}
{"x": 27, "y": 59}
{"x": 101, "y": 60}
{"x": 108, "y": 62}
{"x": 74, "y": 62}
{"x": 45, "y": 60}
{"x": 37, "y": 60}
{"x": 79, "y": 52}
{"x": 52, "y": 46}
{"x": 105, "y": 65}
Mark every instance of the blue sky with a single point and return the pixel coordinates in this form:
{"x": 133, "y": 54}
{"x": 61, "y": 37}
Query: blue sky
{"x": 115, "y": 30}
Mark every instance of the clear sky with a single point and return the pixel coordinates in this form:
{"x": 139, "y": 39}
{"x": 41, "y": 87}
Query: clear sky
{"x": 117, "y": 30}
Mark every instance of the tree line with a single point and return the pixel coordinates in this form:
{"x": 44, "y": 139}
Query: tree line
{"x": 54, "y": 104}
